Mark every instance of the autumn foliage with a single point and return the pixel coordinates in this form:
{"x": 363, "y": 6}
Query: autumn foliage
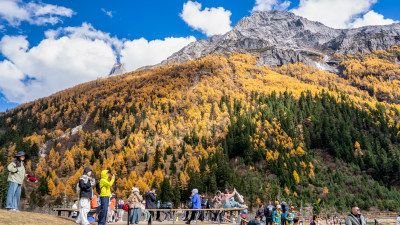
{"x": 184, "y": 126}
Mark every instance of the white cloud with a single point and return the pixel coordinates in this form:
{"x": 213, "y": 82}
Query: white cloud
{"x": 270, "y": 5}
{"x": 210, "y": 21}
{"x": 371, "y": 18}
{"x": 70, "y": 56}
{"x": 86, "y": 31}
{"x": 141, "y": 52}
{"x": 340, "y": 13}
{"x": 108, "y": 13}
{"x": 17, "y": 11}
{"x": 54, "y": 64}
{"x": 11, "y": 85}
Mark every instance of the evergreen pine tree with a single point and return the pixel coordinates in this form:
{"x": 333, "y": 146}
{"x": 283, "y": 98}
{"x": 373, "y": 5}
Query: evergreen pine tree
{"x": 157, "y": 159}
{"x": 167, "y": 194}
{"x": 43, "y": 187}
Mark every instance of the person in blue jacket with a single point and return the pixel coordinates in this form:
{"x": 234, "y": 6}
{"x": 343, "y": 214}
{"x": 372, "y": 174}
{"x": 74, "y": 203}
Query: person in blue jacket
{"x": 289, "y": 215}
{"x": 277, "y": 215}
{"x": 196, "y": 204}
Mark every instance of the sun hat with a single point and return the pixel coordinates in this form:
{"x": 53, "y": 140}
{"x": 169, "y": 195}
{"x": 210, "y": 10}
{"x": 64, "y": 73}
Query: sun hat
{"x": 20, "y": 154}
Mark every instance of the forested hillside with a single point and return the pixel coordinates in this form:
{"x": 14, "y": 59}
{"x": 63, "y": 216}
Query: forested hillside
{"x": 293, "y": 132}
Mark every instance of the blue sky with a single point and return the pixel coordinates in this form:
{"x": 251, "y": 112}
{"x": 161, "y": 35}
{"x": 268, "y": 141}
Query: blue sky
{"x": 50, "y": 45}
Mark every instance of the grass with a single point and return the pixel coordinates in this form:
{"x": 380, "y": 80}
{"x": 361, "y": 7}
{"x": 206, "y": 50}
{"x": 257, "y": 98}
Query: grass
{"x": 25, "y": 218}
{"x": 22, "y": 218}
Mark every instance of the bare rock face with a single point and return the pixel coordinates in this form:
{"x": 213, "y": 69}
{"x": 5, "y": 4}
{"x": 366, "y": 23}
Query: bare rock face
{"x": 279, "y": 38}
{"x": 117, "y": 69}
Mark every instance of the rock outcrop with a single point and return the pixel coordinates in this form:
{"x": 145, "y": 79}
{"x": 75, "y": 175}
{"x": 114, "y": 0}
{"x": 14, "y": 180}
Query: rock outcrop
{"x": 117, "y": 69}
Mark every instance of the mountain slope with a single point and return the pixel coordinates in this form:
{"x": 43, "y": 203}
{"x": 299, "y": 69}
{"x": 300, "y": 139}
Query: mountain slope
{"x": 279, "y": 38}
{"x": 222, "y": 121}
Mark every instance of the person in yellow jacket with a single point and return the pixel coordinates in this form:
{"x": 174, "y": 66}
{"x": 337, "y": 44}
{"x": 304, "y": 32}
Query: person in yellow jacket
{"x": 105, "y": 194}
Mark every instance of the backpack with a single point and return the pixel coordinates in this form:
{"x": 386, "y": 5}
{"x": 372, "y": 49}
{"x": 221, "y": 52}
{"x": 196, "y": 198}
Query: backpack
{"x": 268, "y": 210}
{"x": 166, "y": 205}
{"x": 125, "y": 207}
{"x": 98, "y": 189}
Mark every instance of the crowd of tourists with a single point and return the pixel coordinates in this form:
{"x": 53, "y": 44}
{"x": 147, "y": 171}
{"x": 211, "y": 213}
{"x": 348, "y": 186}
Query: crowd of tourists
{"x": 101, "y": 206}
{"x": 277, "y": 214}
{"x": 282, "y": 214}
{"x": 220, "y": 200}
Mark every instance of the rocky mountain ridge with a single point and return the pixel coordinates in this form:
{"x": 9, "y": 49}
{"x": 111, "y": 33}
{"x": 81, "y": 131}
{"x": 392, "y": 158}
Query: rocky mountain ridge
{"x": 279, "y": 38}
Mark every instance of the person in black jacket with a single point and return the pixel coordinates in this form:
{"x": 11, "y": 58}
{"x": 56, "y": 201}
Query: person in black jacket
{"x": 209, "y": 206}
{"x": 284, "y": 209}
{"x": 268, "y": 210}
{"x": 151, "y": 198}
{"x": 186, "y": 216}
{"x": 85, "y": 185}
{"x": 260, "y": 211}
{"x": 203, "y": 206}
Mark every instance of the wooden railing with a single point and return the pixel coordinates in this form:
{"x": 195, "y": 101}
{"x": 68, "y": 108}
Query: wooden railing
{"x": 173, "y": 211}
{"x": 219, "y": 211}
{"x": 69, "y": 210}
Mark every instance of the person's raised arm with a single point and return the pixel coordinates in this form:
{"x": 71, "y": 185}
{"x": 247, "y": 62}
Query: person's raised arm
{"x": 153, "y": 197}
{"x": 130, "y": 198}
{"x": 112, "y": 180}
{"x": 83, "y": 185}
{"x": 108, "y": 183}
{"x": 228, "y": 196}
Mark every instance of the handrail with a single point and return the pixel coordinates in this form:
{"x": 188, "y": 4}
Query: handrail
{"x": 219, "y": 209}
{"x": 164, "y": 210}
{"x": 156, "y": 210}
{"x": 76, "y": 210}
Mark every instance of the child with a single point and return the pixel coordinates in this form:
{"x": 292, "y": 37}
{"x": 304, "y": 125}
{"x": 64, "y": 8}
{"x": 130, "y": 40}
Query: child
{"x": 120, "y": 206}
{"x": 75, "y": 206}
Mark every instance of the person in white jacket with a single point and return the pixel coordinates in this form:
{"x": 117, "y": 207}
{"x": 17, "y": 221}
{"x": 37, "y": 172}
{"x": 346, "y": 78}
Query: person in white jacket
{"x": 16, "y": 177}
{"x": 398, "y": 220}
{"x": 75, "y": 206}
{"x": 85, "y": 185}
